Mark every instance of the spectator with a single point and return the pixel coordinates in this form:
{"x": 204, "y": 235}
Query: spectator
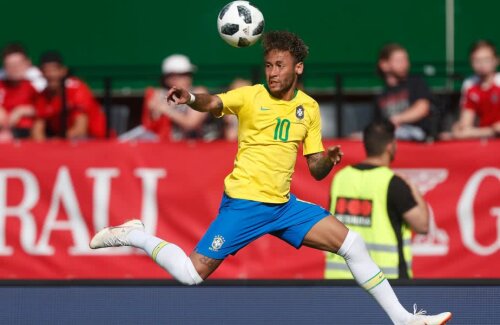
{"x": 17, "y": 95}
{"x": 84, "y": 117}
{"x": 406, "y": 100}
{"x": 231, "y": 121}
{"x": 480, "y": 95}
{"x": 20, "y": 64}
{"x": 177, "y": 122}
{"x": 381, "y": 206}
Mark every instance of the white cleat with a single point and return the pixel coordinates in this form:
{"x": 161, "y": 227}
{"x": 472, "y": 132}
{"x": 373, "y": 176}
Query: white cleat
{"x": 420, "y": 318}
{"x": 115, "y": 236}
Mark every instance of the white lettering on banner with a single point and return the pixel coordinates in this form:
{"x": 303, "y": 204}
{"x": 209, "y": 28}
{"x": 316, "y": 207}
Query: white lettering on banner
{"x": 101, "y": 193}
{"x": 63, "y": 200}
{"x": 64, "y": 195}
{"x": 21, "y": 211}
{"x": 149, "y": 213}
{"x": 100, "y": 212}
{"x": 465, "y": 213}
{"x": 436, "y": 242}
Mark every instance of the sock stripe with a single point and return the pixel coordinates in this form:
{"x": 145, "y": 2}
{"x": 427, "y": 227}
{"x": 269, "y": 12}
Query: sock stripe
{"x": 157, "y": 249}
{"x": 374, "y": 281}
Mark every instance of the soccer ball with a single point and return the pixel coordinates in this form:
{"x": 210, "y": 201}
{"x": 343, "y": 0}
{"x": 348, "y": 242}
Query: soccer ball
{"x": 240, "y": 24}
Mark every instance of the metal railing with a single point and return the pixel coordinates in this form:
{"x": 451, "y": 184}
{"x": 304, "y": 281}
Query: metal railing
{"x": 331, "y": 81}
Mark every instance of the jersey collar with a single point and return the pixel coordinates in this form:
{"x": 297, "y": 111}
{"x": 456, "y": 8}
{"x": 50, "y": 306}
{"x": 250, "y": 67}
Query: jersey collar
{"x": 295, "y": 92}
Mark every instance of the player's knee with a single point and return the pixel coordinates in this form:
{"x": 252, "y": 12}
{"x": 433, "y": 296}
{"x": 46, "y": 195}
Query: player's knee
{"x": 187, "y": 281}
{"x": 352, "y": 242}
{"x": 355, "y": 237}
{"x": 192, "y": 277}
{"x": 185, "y": 273}
{"x": 202, "y": 265}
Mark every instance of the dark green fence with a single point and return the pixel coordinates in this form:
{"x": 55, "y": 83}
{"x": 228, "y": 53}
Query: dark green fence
{"x": 126, "y": 40}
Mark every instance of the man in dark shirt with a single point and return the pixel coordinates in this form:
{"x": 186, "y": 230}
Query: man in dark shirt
{"x": 406, "y": 100}
{"x": 382, "y": 206}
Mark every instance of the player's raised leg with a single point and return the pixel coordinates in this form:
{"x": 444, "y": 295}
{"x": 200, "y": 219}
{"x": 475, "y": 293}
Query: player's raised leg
{"x": 187, "y": 270}
{"x": 331, "y": 235}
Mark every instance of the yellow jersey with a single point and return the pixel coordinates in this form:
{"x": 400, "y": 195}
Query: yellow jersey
{"x": 270, "y": 131}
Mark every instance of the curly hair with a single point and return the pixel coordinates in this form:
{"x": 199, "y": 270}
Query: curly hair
{"x": 285, "y": 41}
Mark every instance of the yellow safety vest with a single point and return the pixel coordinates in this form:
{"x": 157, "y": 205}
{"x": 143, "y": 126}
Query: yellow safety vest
{"x": 359, "y": 200}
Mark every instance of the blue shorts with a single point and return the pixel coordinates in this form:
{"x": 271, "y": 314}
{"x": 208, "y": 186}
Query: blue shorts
{"x": 242, "y": 221}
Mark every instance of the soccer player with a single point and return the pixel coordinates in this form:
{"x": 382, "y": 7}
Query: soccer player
{"x": 273, "y": 121}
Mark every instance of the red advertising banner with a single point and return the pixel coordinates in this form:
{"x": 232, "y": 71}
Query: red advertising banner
{"x": 54, "y": 196}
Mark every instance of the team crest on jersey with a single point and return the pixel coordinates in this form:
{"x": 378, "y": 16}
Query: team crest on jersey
{"x": 299, "y": 112}
{"x": 217, "y": 243}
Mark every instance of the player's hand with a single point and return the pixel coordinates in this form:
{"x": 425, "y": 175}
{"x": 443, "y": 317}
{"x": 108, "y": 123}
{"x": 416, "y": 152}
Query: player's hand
{"x": 178, "y": 96}
{"x": 335, "y": 154}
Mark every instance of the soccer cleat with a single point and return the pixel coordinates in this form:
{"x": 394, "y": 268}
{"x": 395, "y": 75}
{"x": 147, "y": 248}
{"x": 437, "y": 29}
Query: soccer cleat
{"x": 420, "y": 318}
{"x": 115, "y": 236}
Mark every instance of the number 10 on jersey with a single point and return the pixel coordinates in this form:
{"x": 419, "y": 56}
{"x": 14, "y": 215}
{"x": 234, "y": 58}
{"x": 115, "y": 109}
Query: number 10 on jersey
{"x": 282, "y": 129}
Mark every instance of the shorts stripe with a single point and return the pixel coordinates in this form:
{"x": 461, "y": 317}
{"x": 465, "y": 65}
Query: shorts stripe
{"x": 305, "y": 201}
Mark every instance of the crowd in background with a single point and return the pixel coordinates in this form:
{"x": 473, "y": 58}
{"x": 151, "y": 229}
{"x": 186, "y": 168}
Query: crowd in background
{"x": 45, "y": 101}
{"x": 408, "y": 102}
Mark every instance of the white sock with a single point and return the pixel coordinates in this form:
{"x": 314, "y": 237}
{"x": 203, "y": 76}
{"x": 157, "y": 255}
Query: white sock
{"x": 368, "y": 275}
{"x": 167, "y": 255}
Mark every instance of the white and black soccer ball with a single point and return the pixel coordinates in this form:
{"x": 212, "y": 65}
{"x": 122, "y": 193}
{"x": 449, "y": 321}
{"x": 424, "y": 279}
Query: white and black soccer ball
{"x": 240, "y": 24}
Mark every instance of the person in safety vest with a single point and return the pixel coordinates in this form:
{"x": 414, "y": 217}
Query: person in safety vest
{"x": 381, "y": 206}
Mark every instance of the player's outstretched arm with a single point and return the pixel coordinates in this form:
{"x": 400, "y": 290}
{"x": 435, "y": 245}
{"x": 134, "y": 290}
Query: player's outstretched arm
{"x": 320, "y": 164}
{"x": 198, "y": 102}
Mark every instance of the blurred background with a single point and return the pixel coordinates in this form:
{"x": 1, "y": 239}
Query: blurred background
{"x": 87, "y": 141}
{"x": 118, "y": 47}
{"x": 115, "y": 60}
